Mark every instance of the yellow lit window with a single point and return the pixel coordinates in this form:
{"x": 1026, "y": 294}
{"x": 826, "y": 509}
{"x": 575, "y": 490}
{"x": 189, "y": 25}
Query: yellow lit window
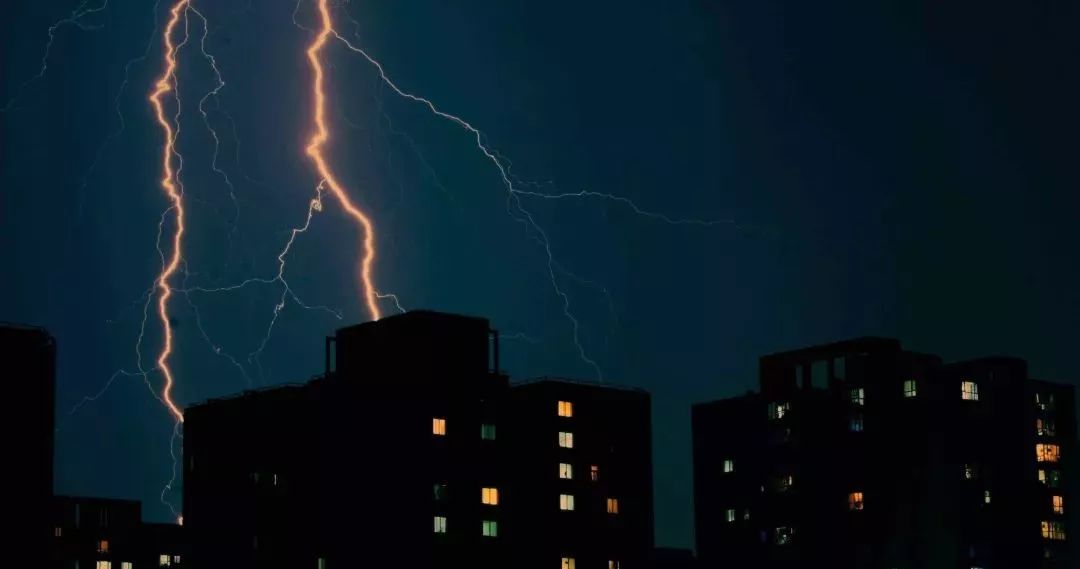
{"x": 566, "y": 471}
{"x": 1047, "y": 453}
{"x": 438, "y": 427}
{"x": 612, "y": 564}
{"x": 104, "y": 565}
{"x": 103, "y": 546}
{"x": 594, "y": 473}
{"x": 440, "y": 524}
{"x": 1059, "y": 504}
{"x": 126, "y": 565}
{"x": 1053, "y": 530}
{"x": 729, "y": 466}
{"x": 566, "y": 502}
{"x": 490, "y": 496}
{"x": 855, "y": 501}
{"x": 568, "y": 563}
{"x": 566, "y": 440}
{"x": 566, "y": 409}
{"x": 910, "y": 388}
{"x": 490, "y": 528}
{"x": 612, "y": 505}
{"x": 969, "y": 391}
{"x": 164, "y": 561}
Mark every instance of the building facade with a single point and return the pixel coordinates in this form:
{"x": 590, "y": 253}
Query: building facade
{"x": 29, "y": 377}
{"x": 860, "y": 454}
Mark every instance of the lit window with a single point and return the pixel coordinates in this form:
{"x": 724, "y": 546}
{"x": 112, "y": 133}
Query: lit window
{"x": 784, "y": 483}
{"x": 855, "y": 501}
{"x": 566, "y": 471}
{"x": 986, "y": 496}
{"x": 58, "y": 532}
{"x": 1053, "y": 530}
{"x": 1045, "y": 428}
{"x": 730, "y": 516}
{"x": 440, "y": 524}
{"x": 856, "y": 424}
{"x": 784, "y": 535}
{"x": 970, "y": 471}
{"x": 490, "y": 496}
{"x": 858, "y": 396}
{"x": 1050, "y": 478}
{"x": 566, "y": 409}
{"x": 487, "y": 432}
{"x": 1059, "y": 504}
{"x": 566, "y": 440}
{"x": 910, "y": 389}
{"x": 103, "y": 546}
{"x": 969, "y": 391}
{"x": 490, "y": 528}
{"x": 176, "y": 559}
{"x": 104, "y": 565}
{"x": 594, "y": 473}
{"x": 440, "y": 491}
{"x": 164, "y": 560}
{"x": 613, "y": 505}
{"x": 322, "y": 563}
{"x": 438, "y": 426}
{"x": 126, "y": 565}
{"x": 566, "y": 502}
{"x": 568, "y": 563}
{"x": 1047, "y": 453}
{"x": 778, "y": 410}
{"x": 746, "y": 514}
{"x": 1044, "y": 401}
{"x": 729, "y": 466}
{"x": 612, "y": 565}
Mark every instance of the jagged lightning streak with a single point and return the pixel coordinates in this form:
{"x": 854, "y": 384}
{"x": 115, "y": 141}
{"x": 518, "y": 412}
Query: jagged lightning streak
{"x": 315, "y": 152}
{"x": 165, "y": 84}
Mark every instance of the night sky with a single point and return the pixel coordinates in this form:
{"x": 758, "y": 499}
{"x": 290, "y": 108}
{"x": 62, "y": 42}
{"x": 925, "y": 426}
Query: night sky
{"x": 893, "y": 168}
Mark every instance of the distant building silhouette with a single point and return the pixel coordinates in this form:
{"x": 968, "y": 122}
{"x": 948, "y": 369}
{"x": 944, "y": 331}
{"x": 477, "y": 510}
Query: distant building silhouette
{"x": 415, "y": 452}
{"x": 104, "y": 533}
{"x": 860, "y": 454}
{"x": 29, "y": 378}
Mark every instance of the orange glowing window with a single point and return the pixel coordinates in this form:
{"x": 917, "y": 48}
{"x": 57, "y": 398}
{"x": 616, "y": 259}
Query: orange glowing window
{"x": 566, "y": 409}
{"x": 438, "y": 426}
{"x": 568, "y": 563}
{"x": 1059, "y": 504}
{"x": 612, "y": 564}
{"x": 613, "y": 505}
{"x": 103, "y": 546}
{"x": 489, "y": 496}
{"x": 1047, "y": 453}
{"x": 855, "y": 501}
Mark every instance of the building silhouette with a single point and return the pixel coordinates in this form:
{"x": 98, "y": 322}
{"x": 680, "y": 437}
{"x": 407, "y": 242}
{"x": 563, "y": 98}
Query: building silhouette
{"x": 29, "y": 356}
{"x": 413, "y": 450}
{"x": 860, "y": 454}
{"x": 106, "y": 533}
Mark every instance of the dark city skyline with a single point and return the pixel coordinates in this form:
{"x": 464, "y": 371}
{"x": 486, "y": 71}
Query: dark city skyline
{"x": 644, "y": 194}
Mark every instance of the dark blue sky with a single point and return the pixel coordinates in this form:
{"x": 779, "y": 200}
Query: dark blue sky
{"x": 896, "y": 168}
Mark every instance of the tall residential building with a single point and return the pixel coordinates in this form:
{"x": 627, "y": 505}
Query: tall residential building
{"x": 414, "y": 451}
{"x": 388, "y": 461}
{"x": 859, "y": 454}
{"x": 106, "y": 533}
{"x": 581, "y": 476}
{"x": 29, "y": 378}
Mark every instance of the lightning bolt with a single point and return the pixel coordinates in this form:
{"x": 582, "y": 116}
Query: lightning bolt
{"x": 165, "y": 84}
{"x": 315, "y": 152}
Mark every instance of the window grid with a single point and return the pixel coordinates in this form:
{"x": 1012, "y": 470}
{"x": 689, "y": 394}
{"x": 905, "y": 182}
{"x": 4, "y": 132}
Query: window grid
{"x": 910, "y": 388}
{"x": 858, "y": 396}
{"x": 969, "y": 391}
{"x": 1047, "y": 453}
{"x": 1053, "y": 530}
{"x": 1058, "y": 503}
